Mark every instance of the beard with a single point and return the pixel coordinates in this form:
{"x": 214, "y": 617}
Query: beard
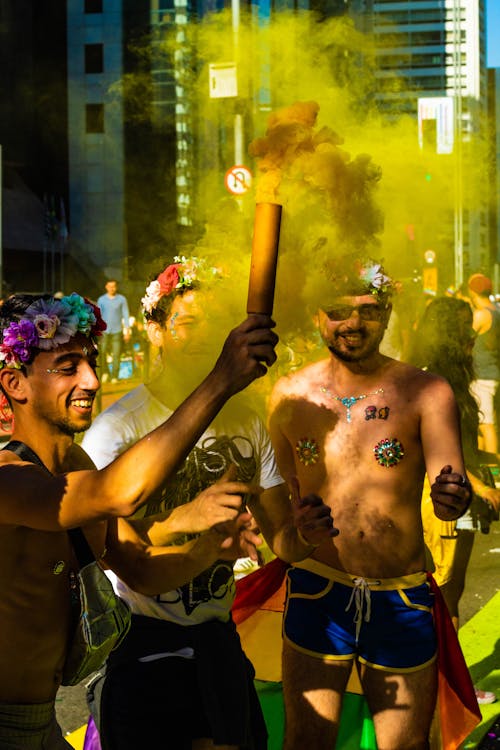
{"x": 65, "y": 424}
{"x": 69, "y": 428}
{"x": 343, "y": 352}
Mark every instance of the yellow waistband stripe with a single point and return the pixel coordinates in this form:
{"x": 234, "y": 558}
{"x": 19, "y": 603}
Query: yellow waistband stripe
{"x": 348, "y": 579}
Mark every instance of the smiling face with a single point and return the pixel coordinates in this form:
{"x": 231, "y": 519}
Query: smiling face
{"x": 192, "y": 329}
{"x": 63, "y": 384}
{"x": 352, "y": 327}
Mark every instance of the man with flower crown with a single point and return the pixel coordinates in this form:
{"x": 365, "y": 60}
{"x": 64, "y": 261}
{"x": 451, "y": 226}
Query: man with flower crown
{"x": 180, "y": 677}
{"x": 361, "y": 430}
{"x": 48, "y": 485}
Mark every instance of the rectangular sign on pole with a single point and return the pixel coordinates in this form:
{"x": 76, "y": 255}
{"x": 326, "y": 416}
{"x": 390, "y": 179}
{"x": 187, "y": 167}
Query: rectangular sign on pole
{"x": 223, "y": 80}
{"x": 440, "y": 110}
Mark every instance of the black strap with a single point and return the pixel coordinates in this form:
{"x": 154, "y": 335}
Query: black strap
{"x": 82, "y": 549}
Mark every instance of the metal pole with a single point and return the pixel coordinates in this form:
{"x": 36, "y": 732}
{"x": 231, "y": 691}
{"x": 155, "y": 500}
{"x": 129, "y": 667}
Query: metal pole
{"x": 238, "y": 119}
{"x": 458, "y": 177}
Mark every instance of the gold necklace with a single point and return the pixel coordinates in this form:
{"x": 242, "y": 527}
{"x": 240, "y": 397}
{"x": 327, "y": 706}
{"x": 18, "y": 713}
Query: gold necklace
{"x": 349, "y": 401}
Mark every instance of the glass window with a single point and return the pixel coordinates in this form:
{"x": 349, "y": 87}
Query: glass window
{"x": 94, "y": 58}
{"x": 93, "y": 6}
{"x": 94, "y": 118}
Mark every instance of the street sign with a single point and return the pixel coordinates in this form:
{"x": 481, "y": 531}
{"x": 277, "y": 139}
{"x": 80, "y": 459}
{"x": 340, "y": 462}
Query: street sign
{"x": 223, "y": 80}
{"x": 238, "y": 179}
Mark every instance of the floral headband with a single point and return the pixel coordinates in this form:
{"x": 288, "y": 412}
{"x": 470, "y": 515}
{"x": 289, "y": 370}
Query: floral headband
{"x": 183, "y": 273}
{"x": 47, "y": 324}
{"x": 350, "y": 275}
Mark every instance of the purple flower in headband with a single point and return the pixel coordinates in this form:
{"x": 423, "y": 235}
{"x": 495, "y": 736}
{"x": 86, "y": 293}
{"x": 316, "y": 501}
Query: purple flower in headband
{"x": 18, "y": 340}
{"x": 55, "y": 322}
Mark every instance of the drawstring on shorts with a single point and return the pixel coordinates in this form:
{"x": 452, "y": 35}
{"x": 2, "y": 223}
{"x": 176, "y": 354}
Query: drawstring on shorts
{"x": 361, "y": 597}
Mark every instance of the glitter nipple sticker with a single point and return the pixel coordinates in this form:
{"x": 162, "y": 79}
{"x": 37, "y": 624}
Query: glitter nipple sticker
{"x": 388, "y": 452}
{"x": 307, "y": 450}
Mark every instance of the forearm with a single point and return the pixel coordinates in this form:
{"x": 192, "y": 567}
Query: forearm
{"x": 490, "y": 494}
{"x": 160, "y": 569}
{"x": 275, "y": 521}
{"x": 158, "y": 530}
{"x": 289, "y": 545}
{"x": 124, "y": 485}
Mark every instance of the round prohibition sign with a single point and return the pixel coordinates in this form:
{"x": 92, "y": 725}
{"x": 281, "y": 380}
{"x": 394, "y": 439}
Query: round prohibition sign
{"x": 238, "y": 180}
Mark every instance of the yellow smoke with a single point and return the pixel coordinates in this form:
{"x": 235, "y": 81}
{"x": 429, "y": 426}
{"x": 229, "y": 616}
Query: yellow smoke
{"x": 348, "y": 179}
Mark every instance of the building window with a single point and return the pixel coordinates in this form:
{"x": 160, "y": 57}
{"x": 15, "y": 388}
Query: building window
{"x": 94, "y": 58}
{"x": 93, "y": 6}
{"x": 94, "y": 118}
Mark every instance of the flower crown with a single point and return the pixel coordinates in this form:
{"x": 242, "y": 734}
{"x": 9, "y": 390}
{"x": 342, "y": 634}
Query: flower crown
{"x": 183, "y": 273}
{"x": 47, "y": 324}
{"x": 351, "y": 275}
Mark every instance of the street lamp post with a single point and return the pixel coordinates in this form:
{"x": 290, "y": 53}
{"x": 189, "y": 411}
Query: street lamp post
{"x": 458, "y": 161}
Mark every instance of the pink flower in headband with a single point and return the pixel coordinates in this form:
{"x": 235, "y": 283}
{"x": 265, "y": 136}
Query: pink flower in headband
{"x": 184, "y": 273}
{"x": 46, "y": 326}
{"x": 54, "y": 320}
{"x": 169, "y": 279}
{"x": 165, "y": 283}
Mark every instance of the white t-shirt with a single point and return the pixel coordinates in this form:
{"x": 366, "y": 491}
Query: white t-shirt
{"x": 236, "y": 436}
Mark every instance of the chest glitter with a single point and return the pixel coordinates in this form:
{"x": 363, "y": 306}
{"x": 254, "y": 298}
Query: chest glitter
{"x": 349, "y": 401}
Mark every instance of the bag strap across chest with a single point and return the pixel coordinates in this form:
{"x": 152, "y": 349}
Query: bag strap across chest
{"x": 82, "y": 548}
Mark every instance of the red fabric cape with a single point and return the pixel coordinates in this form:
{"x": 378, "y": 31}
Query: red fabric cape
{"x": 458, "y": 709}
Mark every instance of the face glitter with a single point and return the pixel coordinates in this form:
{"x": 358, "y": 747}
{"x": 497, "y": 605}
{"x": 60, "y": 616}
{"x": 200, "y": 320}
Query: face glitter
{"x": 173, "y": 332}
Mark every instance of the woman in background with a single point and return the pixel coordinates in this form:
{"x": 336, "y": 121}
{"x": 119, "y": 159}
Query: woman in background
{"x": 443, "y": 344}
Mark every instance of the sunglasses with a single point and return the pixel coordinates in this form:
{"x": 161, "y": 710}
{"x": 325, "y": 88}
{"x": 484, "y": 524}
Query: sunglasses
{"x": 365, "y": 312}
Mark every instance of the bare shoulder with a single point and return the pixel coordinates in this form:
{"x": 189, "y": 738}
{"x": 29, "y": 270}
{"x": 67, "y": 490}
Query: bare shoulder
{"x": 77, "y": 459}
{"x": 417, "y": 382}
{"x": 9, "y": 457}
{"x": 299, "y": 382}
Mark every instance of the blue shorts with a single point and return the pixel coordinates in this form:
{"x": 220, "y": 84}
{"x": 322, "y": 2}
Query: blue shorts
{"x": 385, "y": 623}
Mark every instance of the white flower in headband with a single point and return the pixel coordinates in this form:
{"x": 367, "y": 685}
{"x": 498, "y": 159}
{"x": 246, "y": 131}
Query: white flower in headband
{"x": 152, "y": 296}
{"x": 373, "y": 276}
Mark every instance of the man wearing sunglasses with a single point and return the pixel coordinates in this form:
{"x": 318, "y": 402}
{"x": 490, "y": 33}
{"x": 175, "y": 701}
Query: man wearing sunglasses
{"x": 361, "y": 430}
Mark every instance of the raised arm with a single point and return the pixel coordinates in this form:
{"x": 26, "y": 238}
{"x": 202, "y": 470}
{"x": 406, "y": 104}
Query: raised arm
{"x": 30, "y": 497}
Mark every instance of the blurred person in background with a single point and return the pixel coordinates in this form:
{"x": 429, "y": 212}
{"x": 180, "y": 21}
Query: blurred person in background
{"x": 115, "y": 313}
{"x": 486, "y": 324}
{"x": 443, "y": 345}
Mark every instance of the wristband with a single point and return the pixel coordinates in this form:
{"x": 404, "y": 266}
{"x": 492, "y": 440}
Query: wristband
{"x": 302, "y": 539}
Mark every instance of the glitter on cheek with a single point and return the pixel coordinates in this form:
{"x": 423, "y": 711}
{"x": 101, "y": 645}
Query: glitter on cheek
{"x": 172, "y": 329}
